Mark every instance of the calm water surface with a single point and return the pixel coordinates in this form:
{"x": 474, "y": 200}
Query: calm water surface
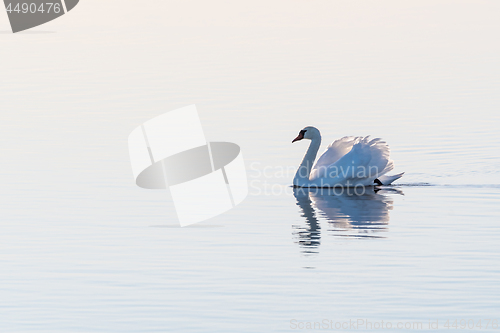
{"x": 82, "y": 249}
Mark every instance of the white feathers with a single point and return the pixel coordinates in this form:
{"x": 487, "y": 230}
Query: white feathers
{"x": 355, "y": 159}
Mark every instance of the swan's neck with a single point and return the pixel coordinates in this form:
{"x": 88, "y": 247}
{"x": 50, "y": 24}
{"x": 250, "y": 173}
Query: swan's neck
{"x": 302, "y": 175}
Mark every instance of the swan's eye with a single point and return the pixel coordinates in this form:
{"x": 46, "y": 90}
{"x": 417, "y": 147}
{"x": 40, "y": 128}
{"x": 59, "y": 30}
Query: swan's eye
{"x": 303, "y": 132}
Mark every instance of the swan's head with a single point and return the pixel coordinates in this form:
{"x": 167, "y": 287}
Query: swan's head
{"x": 309, "y": 133}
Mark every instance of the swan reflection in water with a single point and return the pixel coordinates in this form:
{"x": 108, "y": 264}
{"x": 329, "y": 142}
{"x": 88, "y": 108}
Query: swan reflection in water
{"x": 348, "y": 213}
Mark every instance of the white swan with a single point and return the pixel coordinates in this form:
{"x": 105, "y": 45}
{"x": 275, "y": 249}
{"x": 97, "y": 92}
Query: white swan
{"x": 350, "y": 161}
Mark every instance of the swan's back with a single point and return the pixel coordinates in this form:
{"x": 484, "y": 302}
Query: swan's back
{"x": 357, "y": 159}
{"x": 336, "y": 150}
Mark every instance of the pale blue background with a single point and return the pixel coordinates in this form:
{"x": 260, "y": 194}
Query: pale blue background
{"x": 82, "y": 249}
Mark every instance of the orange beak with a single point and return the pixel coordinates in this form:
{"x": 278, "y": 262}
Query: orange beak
{"x": 299, "y": 137}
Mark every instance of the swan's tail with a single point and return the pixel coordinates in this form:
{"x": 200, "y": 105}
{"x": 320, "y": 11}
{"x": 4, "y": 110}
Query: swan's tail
{"x": 387, "y": 180}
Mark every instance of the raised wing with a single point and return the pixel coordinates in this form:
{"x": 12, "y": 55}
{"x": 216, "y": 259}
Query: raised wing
{"x": 332, "y": 154}
{"x": 363, "y": 163}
